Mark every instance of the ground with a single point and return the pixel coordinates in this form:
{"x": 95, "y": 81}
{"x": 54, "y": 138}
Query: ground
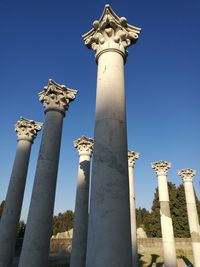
{"x": 147, "y": 259}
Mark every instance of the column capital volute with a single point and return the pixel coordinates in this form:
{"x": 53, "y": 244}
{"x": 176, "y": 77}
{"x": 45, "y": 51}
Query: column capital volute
{"x": 132, "y": 156}
{"x": 84, "y": 145}
{"x": 161, "y": 167}
{"x": 187, "y": 174}
{"x": 56, "y": 97}
{"x": 27, "y": 129}
{"x": 111, "y": 33}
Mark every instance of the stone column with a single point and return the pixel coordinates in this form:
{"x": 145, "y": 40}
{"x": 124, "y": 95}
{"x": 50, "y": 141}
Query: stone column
{"x": 84, "y": 146}
{"x": 35, "y": 250}
{"x": 169, "y": 249}
{"x": 132, "y": 156}
{"x": 187, "y": 177}
{"x": 26, "y": 133}
{"x": 109, "y": 233}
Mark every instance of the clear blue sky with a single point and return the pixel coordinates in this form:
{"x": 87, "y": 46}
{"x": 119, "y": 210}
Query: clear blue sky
{"x": 42, "y": 39}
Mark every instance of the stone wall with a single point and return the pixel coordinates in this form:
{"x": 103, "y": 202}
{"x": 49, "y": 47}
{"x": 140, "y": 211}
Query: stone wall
{"x": 182, "y": 244}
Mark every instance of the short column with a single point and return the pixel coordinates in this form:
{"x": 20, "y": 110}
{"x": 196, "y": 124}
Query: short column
{"x": 35, "y": 249}
{"x": 109, "y": 232}
{"x": 132, "y": 156}
{"x": 169, "y": 249}
{"x": 84, "y": 145}
{"x": 187, "y": 177}
{"x": 26, "y": 133}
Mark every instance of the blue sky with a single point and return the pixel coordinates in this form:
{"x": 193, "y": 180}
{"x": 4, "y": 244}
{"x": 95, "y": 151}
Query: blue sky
{"x": 42, "y": 39}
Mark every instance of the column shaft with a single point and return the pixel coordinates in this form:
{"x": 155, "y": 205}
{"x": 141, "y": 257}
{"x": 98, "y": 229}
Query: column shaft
{"x": 135, "y": 258}
{"x": 79, "y": 243}
{"x": 109, "y": 237}
{"x": 13, "y": 204}
{"x": 169, "y": 249}
{"x": 35, "y": 248}
{"x": 193, "y": 221}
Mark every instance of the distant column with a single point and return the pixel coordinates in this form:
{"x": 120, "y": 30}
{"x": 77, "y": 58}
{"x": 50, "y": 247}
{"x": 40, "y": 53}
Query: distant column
{"x": 26, "y": 133}
{"x": 187, "y": 177}
{"x": 109, "y": 233}
{"x": 35, "y": 250}
{"x": 132, "y": 156}
{"x": 84, "y": 146}
{"x": 169, "y": 249}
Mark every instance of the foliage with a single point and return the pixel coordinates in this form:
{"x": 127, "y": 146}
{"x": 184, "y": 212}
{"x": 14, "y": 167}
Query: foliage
{"x": 178, "y": 208}
{"x": 21, "y": 229}
{"x": 142, "y": 218}
{"x": 62, "y": 222}
{"x": 1, "y": 207}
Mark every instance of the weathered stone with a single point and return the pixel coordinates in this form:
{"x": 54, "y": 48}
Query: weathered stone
{"x": 35, "y": 249}
{"x": 169, "y": 249}
{"x": 164, "y": 207}
{"x": 26, "y": 132}
{"x": 132, "y": 156}
{"x": 84, "y": 145}
{"x": 141, "y": 233}
{"x": 187, "y": 177}
{"x": 109, "y": 244}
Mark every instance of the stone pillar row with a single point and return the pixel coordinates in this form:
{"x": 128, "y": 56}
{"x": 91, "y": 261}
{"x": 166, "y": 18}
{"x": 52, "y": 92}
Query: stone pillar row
{"x": 26, "y": 133}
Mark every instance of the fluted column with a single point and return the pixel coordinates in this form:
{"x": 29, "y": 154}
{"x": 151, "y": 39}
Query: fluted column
{"x": 26, "y": 132}
{"x": 132, "y": 156}
{"x": 84, "y": 146}
{"x": 187, "y": 177}
{"x": 109, "y": 232}
{"x": 169, "y": 249}
{"x": 35, "y": 249}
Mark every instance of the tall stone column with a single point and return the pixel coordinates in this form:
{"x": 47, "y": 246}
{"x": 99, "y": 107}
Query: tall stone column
{"x": 109, "y": 233}
{"x": 26, "y": 133}
{"x": 169, "y": 249}
{"x": 35, "y": 249}
{"x": 84, "y": 146}
{"x": 187, "y": 177}
{"x": 132, "y": 156}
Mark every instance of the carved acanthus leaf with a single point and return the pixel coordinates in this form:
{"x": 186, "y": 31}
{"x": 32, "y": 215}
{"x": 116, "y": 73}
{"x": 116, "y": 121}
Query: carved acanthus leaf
{"x": 56, "y": 96}
{"x": 27, "y": 129}
{"x": 161, "y": 167}
{"x": 111, "y": 32}
{"x": 84, "y": 145}
{"x": 187, "y": 174}
{"x": 132, "y": 156}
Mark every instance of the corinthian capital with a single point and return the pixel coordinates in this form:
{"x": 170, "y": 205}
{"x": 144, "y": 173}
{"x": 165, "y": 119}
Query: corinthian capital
{"x": 27, "y": 129}
{"x": 187, "y": 174}
{"x": 84, "y": 145}
{"x": 111, "y": 33}
{"x": 56, "y": 96}
{"x": 132, "y": 156}
{"x": 161, "y": 167}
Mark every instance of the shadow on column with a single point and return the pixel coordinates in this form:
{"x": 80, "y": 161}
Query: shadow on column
{"x": 153, "y": 259}
{"x": 187, "y": 262}
{"x": 141, "y": 262}
{"x": 85, "y": 166}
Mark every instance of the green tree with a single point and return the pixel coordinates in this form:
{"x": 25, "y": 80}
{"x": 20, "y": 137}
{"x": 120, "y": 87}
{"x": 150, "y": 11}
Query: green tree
{"x": 21, "y": 229}
{"x": 142, "y": 216}
{"x": 1, "y": 207}
{"x": 154, "y": 229}
{"x": 153, "y": 221}
{"x": 178, "y": 211}
{"x": 62, "y": 222}
{"x": 179, "y": 214}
